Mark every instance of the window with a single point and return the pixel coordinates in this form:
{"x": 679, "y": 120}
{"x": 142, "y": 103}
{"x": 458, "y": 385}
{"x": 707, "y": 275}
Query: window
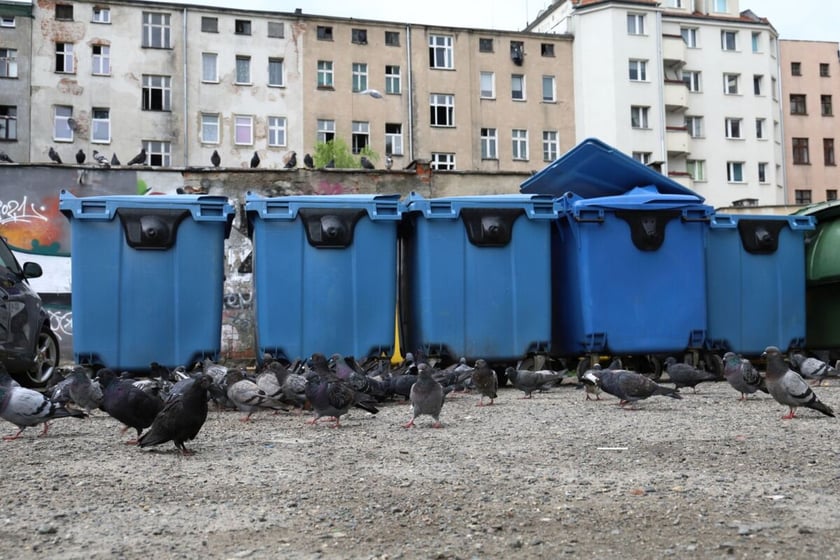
{"x": 635, "y": 24}
{"x": 696, "y": 168}
{"x": 758, "y": 82}
{"x": 551, "y": 145}
{"x": 209, "y": 24}
{"x": 730, "y": 84}
{"x": 547, "y": 49}
{"x": 243, "y": 130}
{"x": 517, "y": 87}
{"x": 360, "y": 76}
{"x": 276, "y": 73}
{"x": 639, "y": 116}
{"x": 733, "y": 128}
{"x": 825, "y": 106}
{"x": 100, "y": 60}
{"x": 393, "y": 79}
{"x": 209, "y": 67}
{"x": 735, "y": 171}
{"x": 773, "y": 87}
{"x": 689, "y": 35}
{"x": 326, "y": 131}
{"x": 488, "y": 85}
{"x": 638, "y": 70}
{"x": 242, "y": 26}
{"x": 674, "y": 4}
{"x": 489, "y": 143}
{"x": 517, "y": 52}
{"x": 325, "y": 74}
{"x": 393, "y": 139}
{"x": 361, "y": 136}
{"x": 276, "y": 131}
{"x": 691, "y": 78}
{"x": 101, "y": 15}
{"x": 762, "y": 172}
{"x": 828, "y": 151}
{"x": 358, "y": 36}
{"x": 64, "y": 58}
{"x": 157, "y": 93}
{"x": 797, "y": 104}
{"x": 824, "y": 70}
{"x": 442, "y": 109}
{"x": 8, "y": 122}
{"x": 64, "y": 12}
{"x": 440, "y": 51}
{"x": 694, "y": 126}
{"x": 157, "y": 153}
{"x": 61, "y": 124}
{"x": 100, "y": 125}
{"x": 156, "y": 31}
{"x": 728, "y": 40}
{"x": 243, "y": 70}
{"x": 8, "y": 63}
{"x": 210, "y": 128}
{"x": 642, "y": 157}
{"x": 760, "y": 129}
{"x": 519, "y": 138}
{"x": 756, "y": 41}
{"x": 392, "y": 38}
{"x": 802, "y": 196}
{"x": 7, "y": 21}
{"x": 276, "y": 30}
{"x": 548, "y": 89}
{"x": 721, "y": 6}
{"x": 795, "y": 68}
{"x": 800, "y": 151}
{"x": 443, "y": 161}
{"x": 831, "y": 194}
{"x": 485, "y": 44}
{"x": 325, "y": 33}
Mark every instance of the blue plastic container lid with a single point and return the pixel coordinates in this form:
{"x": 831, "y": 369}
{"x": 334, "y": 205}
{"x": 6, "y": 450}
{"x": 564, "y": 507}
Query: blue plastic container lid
{"x": 640, "y": 198}
{"x": 730, "y": 221}
{"x": 378, "y": 206}
{"x": 593, "y": 169}
{"x": 536, "y": 206}
{"x": 205, "y": 208}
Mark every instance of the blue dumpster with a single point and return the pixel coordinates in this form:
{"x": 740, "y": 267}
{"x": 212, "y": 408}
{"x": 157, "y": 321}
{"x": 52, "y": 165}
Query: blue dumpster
{"x": 325, "y": 274}
{"x": 755, "y": 279}
{"x": 476, "y": 276}
{"x": 147, "y": 278}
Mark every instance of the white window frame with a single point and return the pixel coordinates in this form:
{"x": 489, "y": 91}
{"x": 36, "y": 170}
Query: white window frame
{"x": 761, "y": 129}
{"x": 758, "y": 84}
{"x": 441, "y": 52}
{"x": 635, "y": 24}
{"x": 100, "y": 14}
{"x": 694, "y": 126}
{"x": 639, "y": 117}
{"x": 244, "y": 124}
{"x": 549, "y": 86}
{"x": 326, "y": 77}
{"x": 691, "y": 79}
{"x": 8, "y": 122}
{"x": 158, "y": 152}
{"x": 64, "y": 52}
{"x": 728, "y": 40}
{"x": 100, "y": 63}
{"x": 61, "y": 123}
{"x": 394, "y": 140}
{"x": 276, "y": 131}
{"x": 325, "y": 131}
{"x": 755, "y": 41}
{"x": 731, "y": 84}
{"x": 637, "y": 70}
{"x": 443, "y": 161}
{"x": 7, "y": 21}
{"x": 519, "y": 144}
{"x": 360, "y": 130}
{"x": 157, "y": 30}
{"x": 210, "y": 128}
{"x": 274, "y": 63}
{"x": 721, "y": 6}
{"x": 243, "y": 66}
{"x": 551, "y": 145}
{"x": 734, "y": 128}
{"x": 642, "y": 157}
{"x": 154, "y": 82}
{"x": 8, "y": 63}
{"x": 442, "y": 107}
{"x": 100, "y": 125}
{"x": 689, "y": 35}
{"x": 483, "y": 78}
{"x": 517, "y": 87}
{"x": 393, "y": 79}
{"x": 359, "y": 72}
{"x": 489, "y": 140}
{"x": 696, "y": 169}
{"x": 210, "y": 67}
{"x": 734, "y": 171}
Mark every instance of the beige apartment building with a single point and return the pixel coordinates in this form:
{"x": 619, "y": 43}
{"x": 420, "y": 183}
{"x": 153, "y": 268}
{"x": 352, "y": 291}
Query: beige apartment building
{"x": 15, "y": 45}
{"x": 810, "y": 89}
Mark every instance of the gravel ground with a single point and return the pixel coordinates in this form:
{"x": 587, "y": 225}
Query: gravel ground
{"x": 551, "y": 477}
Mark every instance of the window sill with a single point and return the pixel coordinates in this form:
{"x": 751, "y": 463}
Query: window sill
{"x": 277, "y": 86}
{"x": 326, "y": 88}
{"x": 100, "y": 142}
{"x": 245, "y": 84}
{"x": 157, "y": 48}
{"x": 100, "y": 75}
{"x": 8, "y": 77}
{"x": 442, "y": 125}
{"x": 448, "y": 68}
{"x": 209, "y": 81}
{"x": 488, "y": 98}
{"x": 515, "y": 100}
{"x": 550, "y": 101}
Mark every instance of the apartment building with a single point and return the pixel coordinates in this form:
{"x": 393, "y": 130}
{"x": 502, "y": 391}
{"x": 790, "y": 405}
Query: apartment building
{"x": 15, "y": 53}
{"x": 690, "y": 87}
{"x": 810, "y": 82}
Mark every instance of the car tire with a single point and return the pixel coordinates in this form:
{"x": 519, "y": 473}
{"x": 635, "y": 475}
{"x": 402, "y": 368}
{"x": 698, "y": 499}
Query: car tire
{"x": 47, "y": 356}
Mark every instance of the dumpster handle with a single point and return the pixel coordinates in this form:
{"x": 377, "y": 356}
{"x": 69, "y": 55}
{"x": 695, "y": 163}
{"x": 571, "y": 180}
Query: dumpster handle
{"x": 802, "y": 223}
{"x": 723, "y": 221}
{"x": 695, "y": 215}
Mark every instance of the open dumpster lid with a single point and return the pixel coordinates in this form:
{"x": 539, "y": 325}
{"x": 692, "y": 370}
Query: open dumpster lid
{"x": 594, "y": 169}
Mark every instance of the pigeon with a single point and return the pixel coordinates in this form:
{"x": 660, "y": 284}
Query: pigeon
{"x": 292, "y": 384}
{"x": 589, "y": 379}
{"x": 80, "y": 156}
{"x": 741, "y": 375}
{"x": 812, "y": 368}
{"x": 291, "y": 163}
{"x": 426, "y": 397}
{"x": 127, "y": 403}
{"x": 328, "y": 395}
{"x": 389, "y": 162}
{"x": 100, "y": 159}
{"x": 247, "y": 395}
{"x": 114, "y": 159}
{"x": 182, "y": 416}
{"x": 139, "y": 159}
{"x": 255, "y": 160}
{"x": 629, "y": 386}
{"x": 529, "y": 381}
{"x": 25, "y": 407}
{"x": 308, "y": 162}
{"x": 215, "y": 159}
{"x": 685, "y": 375}
{"x": 485, "y": 381}
{"x": 54, "y": 155}
{"x": 788, "y": 387}
{"x": 83, "y": 391}
{"x": 330, "y": 164}
{"x": 4, "y": 158}
{"x": 366, "y": 163}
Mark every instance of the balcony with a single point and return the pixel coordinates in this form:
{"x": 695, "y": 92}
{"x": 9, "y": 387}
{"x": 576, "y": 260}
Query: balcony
{"x": 682, "y": 178}
{"x": 676, "y": 95}
{"x": 676, "y": 139}
{"x": 673, "y": 50}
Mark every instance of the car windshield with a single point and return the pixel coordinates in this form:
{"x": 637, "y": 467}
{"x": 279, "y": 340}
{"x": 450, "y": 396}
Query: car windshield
{"x": 7, "y": 258}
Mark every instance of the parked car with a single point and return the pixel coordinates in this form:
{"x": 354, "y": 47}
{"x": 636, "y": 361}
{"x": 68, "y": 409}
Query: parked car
{"x": 28, "y": 347}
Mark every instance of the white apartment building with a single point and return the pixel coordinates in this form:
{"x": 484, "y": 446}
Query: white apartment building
{"x": 688, "y": 86}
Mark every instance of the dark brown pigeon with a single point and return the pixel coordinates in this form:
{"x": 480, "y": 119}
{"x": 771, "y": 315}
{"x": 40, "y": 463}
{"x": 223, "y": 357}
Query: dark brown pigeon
{"x": 485, "y": 381}
{"x": 129, "y": 404}
{"x": 182, "y": 416}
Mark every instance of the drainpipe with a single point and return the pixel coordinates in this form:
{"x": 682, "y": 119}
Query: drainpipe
{"x": 777, "y": 112}
{"x": 186, "y": 134}
{"x": 663, "y": 130}
{"x": 410, "y": 90}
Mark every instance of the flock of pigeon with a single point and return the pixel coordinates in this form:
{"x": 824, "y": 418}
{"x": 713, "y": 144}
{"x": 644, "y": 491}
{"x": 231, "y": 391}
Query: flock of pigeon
{"x": 173, "y": 405}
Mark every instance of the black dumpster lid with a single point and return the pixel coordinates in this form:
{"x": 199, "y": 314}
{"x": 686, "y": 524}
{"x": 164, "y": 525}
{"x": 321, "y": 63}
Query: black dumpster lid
{"x": 595, "y": 169}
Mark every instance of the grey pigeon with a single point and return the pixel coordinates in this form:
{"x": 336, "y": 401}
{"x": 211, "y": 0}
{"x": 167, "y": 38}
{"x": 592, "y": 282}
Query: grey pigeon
{"x": 812, "y": 368}
{"x": 485, "y": 381}
{"x": 308, "y": 162}
{"x": 591, "y": 386}
{"x": 255, "y": 161}
{"x": 389, "y": 162}
{"x": 291, "y": 162}
{"x": 4, "y": 158}
{"x": 128, "y": 404}
{"x": 685, "y": 375}
{"x": 328, "y": 395}
{"x": 215, "y": 158}
{"x": 80, "y": 156}
{"x": 25, "y": 407}
{"x": 114, "y": 159}
{"x": 247, "y": 395}
{"x": 741, "y": 375}
{"x": 529, "y": 381}
{"x": 84, "y": 392}
{"x": 54, "y": 155}
{"x": 788, "y": 387}
{"x": 182, "y": 417}
{"x": 292, "y": 384}
{"x": 366, "y": 163}
{"x": 139, "y": 159}
{"x": 426, "y": 397}
{"x": 100, "y": 159}
{"x": 629, "y": 386}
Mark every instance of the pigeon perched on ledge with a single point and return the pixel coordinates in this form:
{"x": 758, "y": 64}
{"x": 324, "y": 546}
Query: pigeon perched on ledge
{"x": 788, "y": 387}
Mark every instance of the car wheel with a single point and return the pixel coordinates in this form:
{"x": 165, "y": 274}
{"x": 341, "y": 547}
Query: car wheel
{"x": 46, "y": 359}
